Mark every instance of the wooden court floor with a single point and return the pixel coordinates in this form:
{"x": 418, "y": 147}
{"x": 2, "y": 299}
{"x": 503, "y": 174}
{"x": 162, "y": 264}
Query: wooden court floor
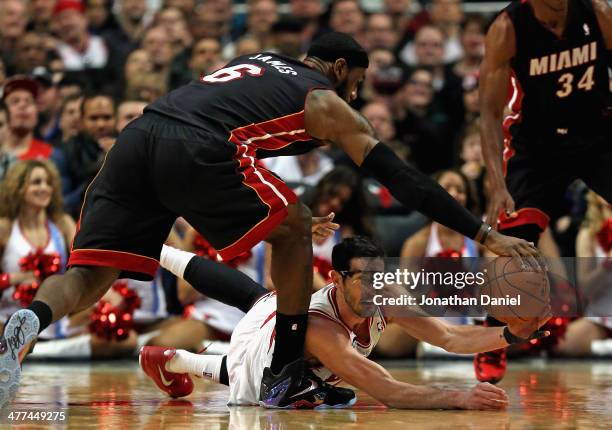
{"x": 544, "y": 395}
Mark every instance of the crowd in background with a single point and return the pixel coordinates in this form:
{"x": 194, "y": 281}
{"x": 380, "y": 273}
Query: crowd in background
{"x": 75, "y": 73}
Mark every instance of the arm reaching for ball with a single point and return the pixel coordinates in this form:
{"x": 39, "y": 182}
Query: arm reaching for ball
{"x": 331, "y": 119}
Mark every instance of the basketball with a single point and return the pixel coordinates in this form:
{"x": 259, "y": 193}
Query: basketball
{"x": 515, "y": 291}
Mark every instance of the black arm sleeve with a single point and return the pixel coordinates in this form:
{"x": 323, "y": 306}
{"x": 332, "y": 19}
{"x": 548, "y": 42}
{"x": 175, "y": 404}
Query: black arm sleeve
{"x": 222, "y": 283}
{"x": 416, "y": 190}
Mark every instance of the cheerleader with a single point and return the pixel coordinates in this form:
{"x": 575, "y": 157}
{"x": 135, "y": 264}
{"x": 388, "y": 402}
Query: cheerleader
{"x": 591, "y": 335}
{"x": 433, "y": 240}
{"x": 34, "y": 236}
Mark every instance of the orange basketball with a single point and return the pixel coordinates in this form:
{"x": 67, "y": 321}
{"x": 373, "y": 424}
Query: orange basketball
{"x": 515, "y": 292}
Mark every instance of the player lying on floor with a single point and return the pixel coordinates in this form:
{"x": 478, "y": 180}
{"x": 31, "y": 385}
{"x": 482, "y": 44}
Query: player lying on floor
{"x": 338, "y": 340}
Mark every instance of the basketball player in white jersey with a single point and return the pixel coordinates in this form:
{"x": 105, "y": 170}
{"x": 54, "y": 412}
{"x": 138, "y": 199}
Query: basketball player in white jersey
{"x": 338, "y": 341}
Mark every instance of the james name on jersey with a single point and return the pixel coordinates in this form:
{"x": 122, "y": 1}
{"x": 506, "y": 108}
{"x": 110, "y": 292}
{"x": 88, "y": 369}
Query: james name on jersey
{"x": 277, "y": 64}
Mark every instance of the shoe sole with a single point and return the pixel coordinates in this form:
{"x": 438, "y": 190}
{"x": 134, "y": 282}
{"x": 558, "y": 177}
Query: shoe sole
{"x": 10, "y": 368}
{"x": 316, "y": 408}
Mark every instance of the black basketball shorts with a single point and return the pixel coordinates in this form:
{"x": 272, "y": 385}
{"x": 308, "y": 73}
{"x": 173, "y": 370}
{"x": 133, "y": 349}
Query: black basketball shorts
{"x": 537, "y": 179}
{"x": 161, "y": 169}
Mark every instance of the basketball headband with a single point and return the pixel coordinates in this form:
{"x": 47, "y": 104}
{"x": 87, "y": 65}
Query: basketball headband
{"x": 333, "y": 46}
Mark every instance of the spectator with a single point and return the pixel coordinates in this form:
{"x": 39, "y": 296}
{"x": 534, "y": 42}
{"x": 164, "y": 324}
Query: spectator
{"x": 287, "y": 36}
{"x": 85, "y": 151}
{"x": 194, "y": 62}
{"x": 20, "y": 94}
{"x": 420, "y": 126}
{"x": 146, "y": 86}
{"x": 156, "y": 42}
{"x": 70, "y": 84}
{"x": 13, "y": 21}
{"x": 383, "y": 78}
{"x": 346, "y": 16}
{"x": 132, "y": 19}
{"x": 261, "y": 16}
{"x": 399, "y": 11}
{"x": 310, "y": 11}
{"x": 473, "y": 30}
{"x": 30, "y": 53}
{"x": 472, "y": 161}
{"x": 99, "y": 16}
{"x": 247, "y": 45}
{"x": 49, "y": 105}
{"x": 184, "y": 6}
{"x": 174, "y": 22}
{"x": 6, "y": 158}
{"x": 70, "y": 119}
{"x": 380, "y": 117}
{"x": 78, "y": 49}
{"x": 41, "y": 15}
{"x": 127, "y": 111}
{"x": 447, "y": 15}
{"x": 379, "y": 32}
{"x": 209, "y": 20}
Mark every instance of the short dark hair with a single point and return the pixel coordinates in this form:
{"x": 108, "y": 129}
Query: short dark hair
{"x": 335, "y": 45}
{"x": 354, "y": 247}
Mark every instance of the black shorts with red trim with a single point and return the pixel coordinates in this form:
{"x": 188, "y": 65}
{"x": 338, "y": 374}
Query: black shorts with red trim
{"x": 161, "y": 169}
{"x": 539, "y": 172}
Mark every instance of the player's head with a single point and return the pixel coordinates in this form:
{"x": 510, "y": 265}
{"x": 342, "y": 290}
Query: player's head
{"x": 354, "y": 260}
{"x": 342, "y": 59}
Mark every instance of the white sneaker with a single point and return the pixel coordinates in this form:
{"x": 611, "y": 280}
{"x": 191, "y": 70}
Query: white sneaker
{"x": 602, "y": 347}
{"x": 20, "y": 330}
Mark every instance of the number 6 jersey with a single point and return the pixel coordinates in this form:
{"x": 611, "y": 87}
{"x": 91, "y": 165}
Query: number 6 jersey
{"x": 256, "y": 98}
{"x": 559, "y": 84}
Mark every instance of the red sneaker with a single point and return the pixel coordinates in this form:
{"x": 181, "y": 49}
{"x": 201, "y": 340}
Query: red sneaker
{"x": 490, "y": 366}
{"x": 153, "y": 361}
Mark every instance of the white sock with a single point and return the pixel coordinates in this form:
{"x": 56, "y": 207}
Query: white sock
{"x": 207, "y": 366}
{"x": 73, "y": 347}
{"x": 175, "y": 260}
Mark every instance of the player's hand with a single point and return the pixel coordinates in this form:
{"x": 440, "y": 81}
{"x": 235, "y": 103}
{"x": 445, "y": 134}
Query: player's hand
{"x": 323, "y": 227}
{"x": 500, "y": 200}
{"x": 509, "y": 246}
{"x": 527, "y": 327}
{"x": 484, "y": 397}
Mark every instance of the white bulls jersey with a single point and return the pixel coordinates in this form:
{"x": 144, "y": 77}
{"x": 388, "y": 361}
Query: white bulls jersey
{"x": 18, "y": 247}
{"x": 252, "y": 343}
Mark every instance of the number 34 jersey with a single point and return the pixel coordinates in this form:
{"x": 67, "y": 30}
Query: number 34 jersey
{"x": 559, "y": 84}
{"x": 256, "y": 100}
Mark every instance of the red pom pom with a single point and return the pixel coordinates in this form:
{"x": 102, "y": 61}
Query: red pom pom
{"x": 604, "y": 236}
{"x": 43, "y": 265}
{"x": 323, "y": 267}
{"x": 449, "y": 253}
{"x": 115, "y": 322}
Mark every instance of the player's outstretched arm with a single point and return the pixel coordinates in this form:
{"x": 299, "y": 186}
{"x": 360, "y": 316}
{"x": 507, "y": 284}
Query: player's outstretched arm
{"x": 494, "y": 79}
{"x": 330, "y": 344}
{"x": 461, "y": 339}
{"x": 329, "y": 118}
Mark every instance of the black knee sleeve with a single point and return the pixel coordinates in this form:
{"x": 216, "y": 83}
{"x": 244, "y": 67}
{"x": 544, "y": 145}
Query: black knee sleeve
{"x": 222, "y": 283}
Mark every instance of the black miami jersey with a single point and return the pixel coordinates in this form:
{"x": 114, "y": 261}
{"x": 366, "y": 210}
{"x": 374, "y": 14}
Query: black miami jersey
{"x": 257, "y": 100}
{"x": 559, "y": 85}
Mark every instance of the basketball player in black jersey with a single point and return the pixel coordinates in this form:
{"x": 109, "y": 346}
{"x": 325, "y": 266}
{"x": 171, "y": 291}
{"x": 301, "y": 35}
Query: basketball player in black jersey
{"x": 553, "y": 56}
{"x": 194, "y": 153}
